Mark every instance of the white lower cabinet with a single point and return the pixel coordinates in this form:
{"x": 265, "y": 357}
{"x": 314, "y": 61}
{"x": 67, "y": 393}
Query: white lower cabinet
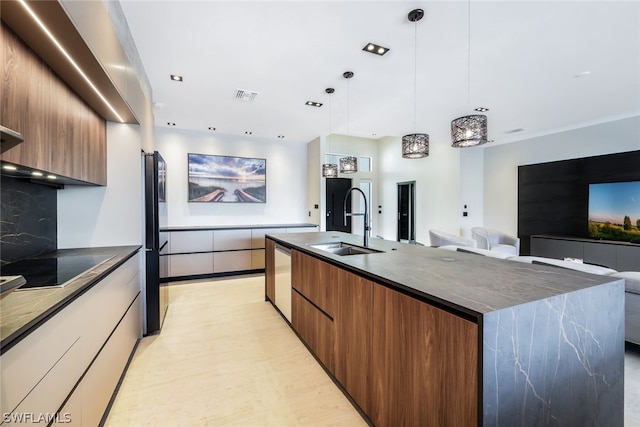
{"x": 40, "y": 372}
{"x": 231, "y": 261}
{"x": 234, "y": 250}
{"x": 190, "y": 264}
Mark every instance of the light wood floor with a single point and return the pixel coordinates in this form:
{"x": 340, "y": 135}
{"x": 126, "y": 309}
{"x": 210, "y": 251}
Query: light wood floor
{"x": 226, "y": 357}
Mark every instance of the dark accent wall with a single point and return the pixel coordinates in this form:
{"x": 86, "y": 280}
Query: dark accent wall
{"x": 553, "y": 198}
{"x": 28, "y": 219}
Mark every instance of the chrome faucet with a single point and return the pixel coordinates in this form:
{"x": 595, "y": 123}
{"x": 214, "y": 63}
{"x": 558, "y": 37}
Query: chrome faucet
{"x": 365, "y": 214}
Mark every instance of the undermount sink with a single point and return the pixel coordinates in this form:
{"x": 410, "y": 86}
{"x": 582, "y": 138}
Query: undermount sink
{"x": 342, "y": 248}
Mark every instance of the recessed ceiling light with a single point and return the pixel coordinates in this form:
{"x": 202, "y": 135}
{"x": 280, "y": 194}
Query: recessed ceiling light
{"x": 374, "y": 48}
{"x": 171, "y": 123}
{"x": 248, "y": 132}
{"x": 280, "y": 136}
{"x": 515, "y": 130}
{"x": 9, "y": 167}
{"x": 36, "y": 173}
{"x": 51, "y": 176}
{"x": 176, "y": 78}
{"x": 313, "y": 103}
{"x": 212, "y": 128}
{"x": 481, "y": 109}
{"x": 582, "y": 74}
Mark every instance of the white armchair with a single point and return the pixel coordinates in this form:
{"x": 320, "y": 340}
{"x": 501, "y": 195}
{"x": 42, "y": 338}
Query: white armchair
{"x": 441, "y": 238}
{"x": 496, "y": 240}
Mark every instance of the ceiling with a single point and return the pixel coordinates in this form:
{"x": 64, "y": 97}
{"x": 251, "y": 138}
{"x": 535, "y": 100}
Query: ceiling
{"x": 539, "y": 66}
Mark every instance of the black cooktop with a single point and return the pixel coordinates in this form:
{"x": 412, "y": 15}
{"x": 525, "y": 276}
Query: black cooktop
{"x": 52, "y": 272}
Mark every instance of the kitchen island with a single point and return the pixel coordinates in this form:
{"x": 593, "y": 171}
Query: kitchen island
{"x": 421, "y": 336}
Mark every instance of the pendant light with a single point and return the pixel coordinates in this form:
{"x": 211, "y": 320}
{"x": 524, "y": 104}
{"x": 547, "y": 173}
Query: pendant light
{"x": 469, "y": 131}
{"x": 329, "y": 170}
{"x": 415, "y": 145}
{"x": 348, "y": 164}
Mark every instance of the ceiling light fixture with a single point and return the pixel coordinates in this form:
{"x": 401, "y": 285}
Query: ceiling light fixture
{"x": 481, "y": 109}
{"x": 70, "y": 59}
{"x": 281, "y": 136}
{"x": 469, "y": 131}
{"x": 248, "y": 132}
{"x": 348, "y": 164}
{"x": 176, "y": 78}
{"x": 171, "y": 123}
{"x": 313, "y": 104}
{"x": 330, "y": 170}
{"x": 374, "y": 48}
{"x": 211, "y": 128}
{"x": 415, "y": 145}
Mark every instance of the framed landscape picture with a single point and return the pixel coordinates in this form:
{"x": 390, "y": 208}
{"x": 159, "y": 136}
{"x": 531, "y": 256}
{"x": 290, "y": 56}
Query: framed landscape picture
{"x": 227, "y": 179}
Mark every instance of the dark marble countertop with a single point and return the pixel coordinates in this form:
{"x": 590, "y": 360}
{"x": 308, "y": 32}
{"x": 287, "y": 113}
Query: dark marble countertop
{"x": 21, "y": 312}
{"x": 470, "y": 284}
{"x": 234, "y": 227}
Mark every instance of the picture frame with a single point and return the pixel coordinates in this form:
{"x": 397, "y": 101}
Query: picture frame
{"x": 226, "y": 179}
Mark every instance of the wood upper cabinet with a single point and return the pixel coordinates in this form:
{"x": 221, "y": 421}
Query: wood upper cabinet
{"x": 62, "y": 134}
{"x": 425, "y": 364}
{"x": 353, "y": 335}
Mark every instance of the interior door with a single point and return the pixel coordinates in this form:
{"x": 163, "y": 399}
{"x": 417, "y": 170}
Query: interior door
{"x": 336, "y": 189}
{"x": 406, "y": 211}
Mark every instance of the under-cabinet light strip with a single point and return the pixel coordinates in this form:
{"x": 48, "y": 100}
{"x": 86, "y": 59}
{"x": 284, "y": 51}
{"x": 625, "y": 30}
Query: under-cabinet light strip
{"x": 69, "y": 58}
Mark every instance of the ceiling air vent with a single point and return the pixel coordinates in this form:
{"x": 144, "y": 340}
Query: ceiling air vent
{"x": 245, "y": 95}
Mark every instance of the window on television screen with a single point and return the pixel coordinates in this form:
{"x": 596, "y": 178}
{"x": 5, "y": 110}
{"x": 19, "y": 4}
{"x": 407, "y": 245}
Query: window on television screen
{"x": 614, "y": 211}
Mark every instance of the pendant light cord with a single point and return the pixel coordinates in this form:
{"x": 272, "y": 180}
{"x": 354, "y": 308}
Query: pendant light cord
{"x": 348, "y": 108}
{"x": 415, "y": 76}
{"x": 469, "y": 53}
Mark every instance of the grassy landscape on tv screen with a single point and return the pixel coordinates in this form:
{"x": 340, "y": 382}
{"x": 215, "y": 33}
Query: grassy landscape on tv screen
{"x": 614, "y": 211}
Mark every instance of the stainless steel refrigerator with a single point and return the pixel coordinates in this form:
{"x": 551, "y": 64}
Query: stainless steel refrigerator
{"x": 157, "y": 291}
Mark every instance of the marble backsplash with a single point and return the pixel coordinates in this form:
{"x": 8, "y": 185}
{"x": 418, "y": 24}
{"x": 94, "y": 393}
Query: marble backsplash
{"x": 28, "y": 219}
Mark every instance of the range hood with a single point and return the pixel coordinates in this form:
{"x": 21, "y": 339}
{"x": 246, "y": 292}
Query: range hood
{"x": 9, "y": 138}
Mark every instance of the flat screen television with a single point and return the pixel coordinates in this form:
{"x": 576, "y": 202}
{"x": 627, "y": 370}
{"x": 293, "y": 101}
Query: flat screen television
{"x": 614, "y": 211}
{"x": 227, "y": 179}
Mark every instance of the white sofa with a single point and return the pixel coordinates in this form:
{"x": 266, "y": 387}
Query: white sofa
{"x": 631, "y": 278}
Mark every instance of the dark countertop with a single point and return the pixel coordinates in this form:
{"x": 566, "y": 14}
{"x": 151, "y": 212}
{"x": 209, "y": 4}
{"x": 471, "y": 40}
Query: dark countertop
{"x": 21, "y": 312}
{"x": 470, "y": 284}
{"x": 233, "y": 227}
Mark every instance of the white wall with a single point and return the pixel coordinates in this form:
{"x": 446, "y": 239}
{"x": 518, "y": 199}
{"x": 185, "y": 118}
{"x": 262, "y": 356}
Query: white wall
{"x": 357, "y": 147}
{"x": 315, "y": 183}
{"x": 501, "y": 162}
{"x": 471, "y": 188}
{"x": 286, "y": 179}
{"x": 111, "y": 215}
{"x": 437, "y": 187}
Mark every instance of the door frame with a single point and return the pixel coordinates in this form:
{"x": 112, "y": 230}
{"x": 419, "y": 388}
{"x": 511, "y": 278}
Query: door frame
{"x": 412, "y": 210}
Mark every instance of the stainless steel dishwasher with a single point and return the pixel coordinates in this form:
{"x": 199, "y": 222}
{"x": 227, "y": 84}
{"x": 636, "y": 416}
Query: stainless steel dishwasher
{"x": 283, "y": 280}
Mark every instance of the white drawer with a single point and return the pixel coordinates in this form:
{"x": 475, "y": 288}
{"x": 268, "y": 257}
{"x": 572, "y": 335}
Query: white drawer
{"x": 232, "y": 261}
{"x": 224, "y": 240}
{"x": 190, "y": 264}
{"x": 257, "y": 258}
{"x": 45, "y": 399}
{"x": 191, "y": 241}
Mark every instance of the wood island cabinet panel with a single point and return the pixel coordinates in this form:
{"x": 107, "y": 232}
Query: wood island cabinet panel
{"x": 311, "y": 277}
{"x": 353, "y": 335}
{"x": 314, "y": 327}
{"x": 425, "y": 366}
{"x": 270, "y": 271}
{"x": 62, "y": 134}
